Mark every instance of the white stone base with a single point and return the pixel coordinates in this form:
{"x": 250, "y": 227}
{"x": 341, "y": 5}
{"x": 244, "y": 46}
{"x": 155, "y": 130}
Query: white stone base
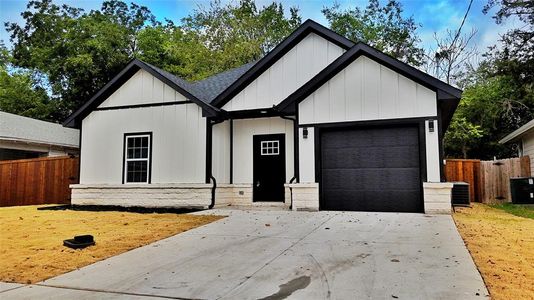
{"x": 145, "y": 195}
{"x": 437, "y": 197}
{"x": 305, "y": 196}
{"x": 241, "y": 195}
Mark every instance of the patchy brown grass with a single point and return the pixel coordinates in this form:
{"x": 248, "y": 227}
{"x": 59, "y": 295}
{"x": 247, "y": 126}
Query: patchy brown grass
{"x": 502, "y": 246}
{"x": 31, "y": 240}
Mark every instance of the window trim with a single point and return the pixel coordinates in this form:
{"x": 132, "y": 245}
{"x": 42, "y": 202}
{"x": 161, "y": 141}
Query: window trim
{"x": 270, "y": 145}
{"x": 124, "y": 155}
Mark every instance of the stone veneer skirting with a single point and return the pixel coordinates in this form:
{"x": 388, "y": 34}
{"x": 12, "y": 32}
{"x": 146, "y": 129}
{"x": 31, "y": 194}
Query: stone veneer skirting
{"x": 240, "y": 194}
{"x": 305, "y": 196}
{"x": 437, "y": 197}
{"x": 146, "y": 195}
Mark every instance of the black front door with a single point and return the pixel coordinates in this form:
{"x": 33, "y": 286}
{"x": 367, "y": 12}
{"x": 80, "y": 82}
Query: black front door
{"x": 269, "y": 167}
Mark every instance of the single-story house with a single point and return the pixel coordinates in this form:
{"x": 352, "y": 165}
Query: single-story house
{"x": 320, "y": 122}
{"x": 22, "y": 137}
{"x": 524, "y": 138}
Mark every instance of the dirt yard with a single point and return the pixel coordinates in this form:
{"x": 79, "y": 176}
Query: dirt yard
{"x": 31, "y": 240}
{"x": 502, "y": 246}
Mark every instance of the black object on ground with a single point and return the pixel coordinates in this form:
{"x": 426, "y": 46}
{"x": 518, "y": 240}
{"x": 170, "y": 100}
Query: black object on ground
{"x": 522, "y": 190}
{"x": 79, "y": 241}
{"x": 460, "y": 194}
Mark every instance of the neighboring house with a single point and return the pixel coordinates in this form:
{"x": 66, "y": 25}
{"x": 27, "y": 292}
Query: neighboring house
{"x": 22, "y": 137}
{"x": 320, "y": 122}
{"x": 524, "y": 138}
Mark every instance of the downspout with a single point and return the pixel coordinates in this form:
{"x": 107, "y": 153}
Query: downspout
{"x": 295, "y": 162}
{"x": 209, "y": 154}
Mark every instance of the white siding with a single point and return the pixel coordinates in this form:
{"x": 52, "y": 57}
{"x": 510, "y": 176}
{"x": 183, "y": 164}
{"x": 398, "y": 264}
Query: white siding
{"x": 142, "y": 88}
{"x": 290, "y": 72}
{"x": 244, "y": 130}
{"x": 307, "y": 156}
{"x": 432, "y": 153}
{"x": 178, "y": 146}
{"x": 528, "y": 149}
{"x": 366, "y": 90}
{"x": 221, "y": 152}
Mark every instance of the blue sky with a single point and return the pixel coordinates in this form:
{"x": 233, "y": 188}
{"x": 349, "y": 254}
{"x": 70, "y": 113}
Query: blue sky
{"x": 433, "y": 15}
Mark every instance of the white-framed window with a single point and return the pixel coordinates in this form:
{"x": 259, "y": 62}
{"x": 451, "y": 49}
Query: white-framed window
{"x": 270, "y": 148}
{"x": 137, "y": 156}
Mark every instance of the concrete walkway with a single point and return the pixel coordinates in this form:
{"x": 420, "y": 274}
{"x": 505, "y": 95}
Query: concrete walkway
{"x": 282, "y": 254}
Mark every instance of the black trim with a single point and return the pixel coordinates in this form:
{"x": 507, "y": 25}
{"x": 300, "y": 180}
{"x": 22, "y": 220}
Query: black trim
{"x": 445, "y": 92}
{"x": 79, "y": 157}
{"x": 370, "y": 123}
{"x": 419, "y": 122}
{"x": 295, "y": 146}
{"x": 231, "y": 151}
{"x": 279, "y": 51}
{"x": 143, "y": 105}
{"x": 74, "y": 120}
{"x": 149, "y": 133}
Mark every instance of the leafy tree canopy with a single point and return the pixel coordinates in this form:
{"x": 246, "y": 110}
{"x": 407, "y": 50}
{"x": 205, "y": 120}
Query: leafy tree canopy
{"x": 382, "y": 27}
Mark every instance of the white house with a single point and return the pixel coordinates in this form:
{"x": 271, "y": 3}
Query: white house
{"x": 524, "y": 138}
{"x": 320, "y": 122}
{"x": 23, "y": 137}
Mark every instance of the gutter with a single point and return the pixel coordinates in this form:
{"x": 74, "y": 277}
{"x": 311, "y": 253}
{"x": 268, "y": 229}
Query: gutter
{"x": 294, "y": 178}
{"x": 209, "y": 155}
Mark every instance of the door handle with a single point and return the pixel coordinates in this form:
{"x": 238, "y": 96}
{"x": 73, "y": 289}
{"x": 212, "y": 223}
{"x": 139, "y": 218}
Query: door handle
{"x": 257, "y": 184}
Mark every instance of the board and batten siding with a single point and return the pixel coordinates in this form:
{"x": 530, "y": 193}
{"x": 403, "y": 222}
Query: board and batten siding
{"x": 142, "y": 88}
{"x": 528, "y": 149}
{"x": 221, "y": 152}
{"x": 290, "y": 72}
{"x": 178, "y": 145}
{"x": 244, "y": 130}
{"x": 366, "y": 90}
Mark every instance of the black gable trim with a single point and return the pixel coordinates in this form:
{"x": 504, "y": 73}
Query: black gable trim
{"x": 280, "y": 50}
{"x": 445, "y": 92}
{"x": 74, "y": 120}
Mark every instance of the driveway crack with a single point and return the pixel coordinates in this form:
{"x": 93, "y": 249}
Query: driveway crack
{"x": 276, "y": 257}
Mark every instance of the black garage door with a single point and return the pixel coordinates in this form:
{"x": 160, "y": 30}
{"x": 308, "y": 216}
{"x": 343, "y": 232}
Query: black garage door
{"x": 373, "y": 169}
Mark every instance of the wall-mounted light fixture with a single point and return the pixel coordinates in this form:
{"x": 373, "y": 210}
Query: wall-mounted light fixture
{"x": 431, "y": 125}
{"x": 305, "y": 132}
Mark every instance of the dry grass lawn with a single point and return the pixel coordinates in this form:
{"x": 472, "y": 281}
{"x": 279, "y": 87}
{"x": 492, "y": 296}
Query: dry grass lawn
{"x": 31, "y": 240}
{"x": 502, "y": 246}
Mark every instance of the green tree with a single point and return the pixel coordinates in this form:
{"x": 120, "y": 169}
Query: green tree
{"x": 238, "y": 34}
{"x": 382, "y": 27}
{"x": 461, "y": 135}
{"x": 19, "y": 93}
{"x": 78, "y": 52}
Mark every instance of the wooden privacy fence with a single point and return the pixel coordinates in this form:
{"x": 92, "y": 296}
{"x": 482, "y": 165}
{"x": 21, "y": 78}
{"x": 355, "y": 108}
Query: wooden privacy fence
{"x": 37, "y": 181}
{"x": 489, "y": 181}
{"x": 465, "y": 170}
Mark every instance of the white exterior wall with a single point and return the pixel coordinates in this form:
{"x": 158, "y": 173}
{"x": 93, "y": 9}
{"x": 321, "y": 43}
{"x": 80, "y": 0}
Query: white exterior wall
{"x": 366, "y": 90}
{"x": 221, "y": 152}
{"x": 142, "y": 88}
{"x": 178, "y": 145}
{"x": 307, "y": 156}
{"x": 290, "y": 72}
{"x": 528, "y": 149}
{"x": 244, "y": 130}
{"x": 432, "y": 153}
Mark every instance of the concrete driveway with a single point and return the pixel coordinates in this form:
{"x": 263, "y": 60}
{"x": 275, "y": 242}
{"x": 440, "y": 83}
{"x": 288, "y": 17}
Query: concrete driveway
{"x": 281, "y": 254}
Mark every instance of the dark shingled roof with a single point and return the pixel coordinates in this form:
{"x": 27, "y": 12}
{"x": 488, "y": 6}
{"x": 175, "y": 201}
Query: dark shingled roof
{"x": 209, "y": 88}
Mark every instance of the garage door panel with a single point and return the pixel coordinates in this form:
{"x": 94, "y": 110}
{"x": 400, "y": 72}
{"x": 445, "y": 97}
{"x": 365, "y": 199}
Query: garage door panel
{"x": 372, "y": 169}
{"x": 390, "y": 201}
{"x": 365, "y": 138}
{"x": 375, "y": 179}
{"x": 371, "y": 157}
